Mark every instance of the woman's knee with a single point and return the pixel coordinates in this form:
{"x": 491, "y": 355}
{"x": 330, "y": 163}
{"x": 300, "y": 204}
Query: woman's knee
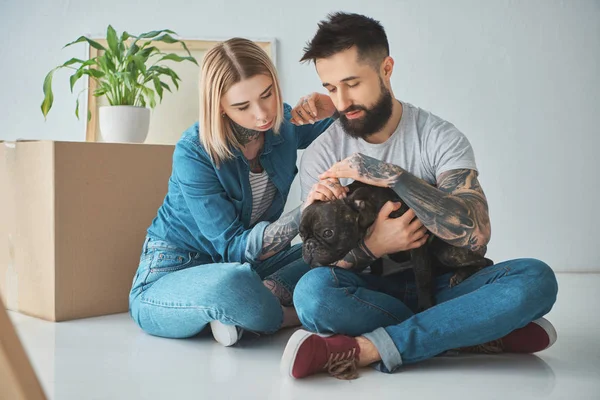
{"x": 181, "y": 306}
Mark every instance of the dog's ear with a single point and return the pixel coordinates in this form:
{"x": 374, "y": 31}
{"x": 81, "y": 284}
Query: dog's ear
{"x": 359, "y": 202}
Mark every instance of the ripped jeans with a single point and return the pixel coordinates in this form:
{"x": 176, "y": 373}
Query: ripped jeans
{"x": 175, "y": 295}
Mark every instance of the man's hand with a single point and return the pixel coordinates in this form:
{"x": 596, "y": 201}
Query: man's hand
{"x": 312, "y": 108}
{"x": 364, "y": 169}
{"x": 325, "y": 190}
{"x": 456, "y": 211}
{"x": 390, "y": 235}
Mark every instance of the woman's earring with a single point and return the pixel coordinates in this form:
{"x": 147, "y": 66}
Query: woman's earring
{"x": 223, "y": 115}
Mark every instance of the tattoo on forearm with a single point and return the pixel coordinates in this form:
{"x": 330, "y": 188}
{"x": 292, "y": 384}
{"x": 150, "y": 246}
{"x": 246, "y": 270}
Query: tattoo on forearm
{"x": 280, "y": 233}
{"x": 357, "y": 259}
{"x": 456, "y": 211}
{"x": 284, "y": 295}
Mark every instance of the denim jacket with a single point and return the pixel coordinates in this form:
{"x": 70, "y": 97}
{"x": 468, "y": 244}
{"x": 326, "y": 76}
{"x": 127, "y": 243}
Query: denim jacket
{"x": 207, "y": 209}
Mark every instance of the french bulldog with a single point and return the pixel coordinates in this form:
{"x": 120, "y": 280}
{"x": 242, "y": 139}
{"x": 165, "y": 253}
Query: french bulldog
{"x": 329, "y": 230}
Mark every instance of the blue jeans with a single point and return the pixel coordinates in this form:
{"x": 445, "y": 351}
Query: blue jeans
{"x": 486, "y": 306}
{"x": 175, "y": 295}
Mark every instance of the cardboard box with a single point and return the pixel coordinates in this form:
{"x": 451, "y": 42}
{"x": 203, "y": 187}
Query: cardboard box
{"x": 73, "y": 220}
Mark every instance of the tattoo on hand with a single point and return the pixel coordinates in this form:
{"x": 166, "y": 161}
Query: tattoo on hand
{"x": 357, "y": 259}
{"x": 280, "y": 233}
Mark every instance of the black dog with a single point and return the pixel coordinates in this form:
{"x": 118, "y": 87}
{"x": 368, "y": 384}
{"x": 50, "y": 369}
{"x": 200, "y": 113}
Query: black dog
{"x": 329, "y": 230}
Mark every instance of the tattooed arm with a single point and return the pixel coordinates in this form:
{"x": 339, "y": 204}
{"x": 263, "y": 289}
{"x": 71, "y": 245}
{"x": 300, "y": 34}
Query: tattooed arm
{"x": 280, "y": 233}
{"x": 456, "y": 211}
{"x": 357, "y": 259}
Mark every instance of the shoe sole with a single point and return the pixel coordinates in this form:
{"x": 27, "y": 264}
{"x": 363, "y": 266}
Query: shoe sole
{"x": 227, "y": 335}
{"x": 291, "y": 350}
{"x": 550, "y": 330}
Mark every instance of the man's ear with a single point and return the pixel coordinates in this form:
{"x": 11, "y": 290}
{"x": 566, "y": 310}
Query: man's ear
{"x": 387, "y": 67}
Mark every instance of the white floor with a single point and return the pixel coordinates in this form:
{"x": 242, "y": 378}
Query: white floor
{"x": 110, "y": 358}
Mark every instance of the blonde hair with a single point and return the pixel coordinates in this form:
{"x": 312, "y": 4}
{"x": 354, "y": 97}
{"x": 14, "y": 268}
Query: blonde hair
{"x": 224, "y": 65}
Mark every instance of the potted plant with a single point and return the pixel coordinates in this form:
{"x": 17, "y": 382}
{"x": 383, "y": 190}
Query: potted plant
{"x": 128, "y": 73}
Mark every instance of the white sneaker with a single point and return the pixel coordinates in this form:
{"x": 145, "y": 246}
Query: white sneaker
{"x": 227, "y": 335}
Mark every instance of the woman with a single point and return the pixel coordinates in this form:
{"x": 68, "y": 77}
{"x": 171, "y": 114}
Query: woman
{"x": 218, "y": 251}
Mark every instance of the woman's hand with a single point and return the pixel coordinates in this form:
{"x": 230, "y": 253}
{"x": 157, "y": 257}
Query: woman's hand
{"x": 312, "y": 108}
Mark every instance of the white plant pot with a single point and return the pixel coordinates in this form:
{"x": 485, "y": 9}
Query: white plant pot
{"x": 124, "y": 124}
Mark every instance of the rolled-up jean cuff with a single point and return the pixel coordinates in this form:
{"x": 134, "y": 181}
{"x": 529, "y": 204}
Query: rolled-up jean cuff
{"x": 391, "y": 359}
{"x": 254, "y": 242}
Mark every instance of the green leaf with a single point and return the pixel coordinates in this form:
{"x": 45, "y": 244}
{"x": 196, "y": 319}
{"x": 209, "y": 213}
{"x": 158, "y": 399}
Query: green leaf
{"x": 149, "y": 95}
{"x": 106, "y": 64}
{"x": 100, "y": 91}
{"x": 164, "y": 85}
{"x": 94, "y": 73}
{"x": 176, "y": 58}
{"x": 113, "y": 41}
{"x": 48, "y": 95}
{"x": 75, "y": 77}
{"x": 166, "y": 71}
{"x": 133, "y": 50}
{"x": 145, "y": 52}
{"x": 174, "y": 77}
{"x": 140, "y": 63}
{"x": 166, "y": 39}
{"x": 92, "y": 43}
{"x": 73, "y": 61}
{"x": 158, "y": 87}
{"x": 151, "y": 34}
{"x": 125, "y": 36}
{"x": 89, "y": 115}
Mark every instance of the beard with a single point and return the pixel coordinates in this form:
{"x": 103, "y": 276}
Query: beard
{"x": 374, "y": 119}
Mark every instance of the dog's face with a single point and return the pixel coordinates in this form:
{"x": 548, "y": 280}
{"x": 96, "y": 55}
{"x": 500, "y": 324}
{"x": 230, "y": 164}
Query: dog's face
{"x": 329, "y": 230}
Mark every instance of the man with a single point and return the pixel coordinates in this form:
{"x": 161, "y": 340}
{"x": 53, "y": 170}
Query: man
{"x": 430, "y": 164}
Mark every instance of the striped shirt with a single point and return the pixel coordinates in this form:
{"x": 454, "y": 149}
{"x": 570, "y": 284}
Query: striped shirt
{"x": 263, "y": 192}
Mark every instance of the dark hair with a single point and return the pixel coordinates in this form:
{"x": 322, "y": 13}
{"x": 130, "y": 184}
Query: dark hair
{"x": 342, "y": 31}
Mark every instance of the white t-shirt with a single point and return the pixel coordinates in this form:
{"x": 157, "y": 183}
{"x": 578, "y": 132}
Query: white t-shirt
{"x": 423, "y": 144}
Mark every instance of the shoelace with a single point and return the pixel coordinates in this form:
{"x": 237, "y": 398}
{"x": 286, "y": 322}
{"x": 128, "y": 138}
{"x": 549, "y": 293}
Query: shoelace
{"x": 343, "y": 365}
{"x": 493, "y": 347}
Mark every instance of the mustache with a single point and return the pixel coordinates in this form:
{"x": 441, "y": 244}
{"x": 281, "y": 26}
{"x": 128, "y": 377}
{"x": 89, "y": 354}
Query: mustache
{"x": 354, "y": 107}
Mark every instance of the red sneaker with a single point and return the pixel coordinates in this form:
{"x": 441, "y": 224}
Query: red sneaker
{"x": 533, "y": 337}
{"x": 307, "y": 353}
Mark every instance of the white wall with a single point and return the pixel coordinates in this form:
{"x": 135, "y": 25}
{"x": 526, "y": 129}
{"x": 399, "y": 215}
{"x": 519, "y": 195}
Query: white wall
{"x": 519, "y": 78}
